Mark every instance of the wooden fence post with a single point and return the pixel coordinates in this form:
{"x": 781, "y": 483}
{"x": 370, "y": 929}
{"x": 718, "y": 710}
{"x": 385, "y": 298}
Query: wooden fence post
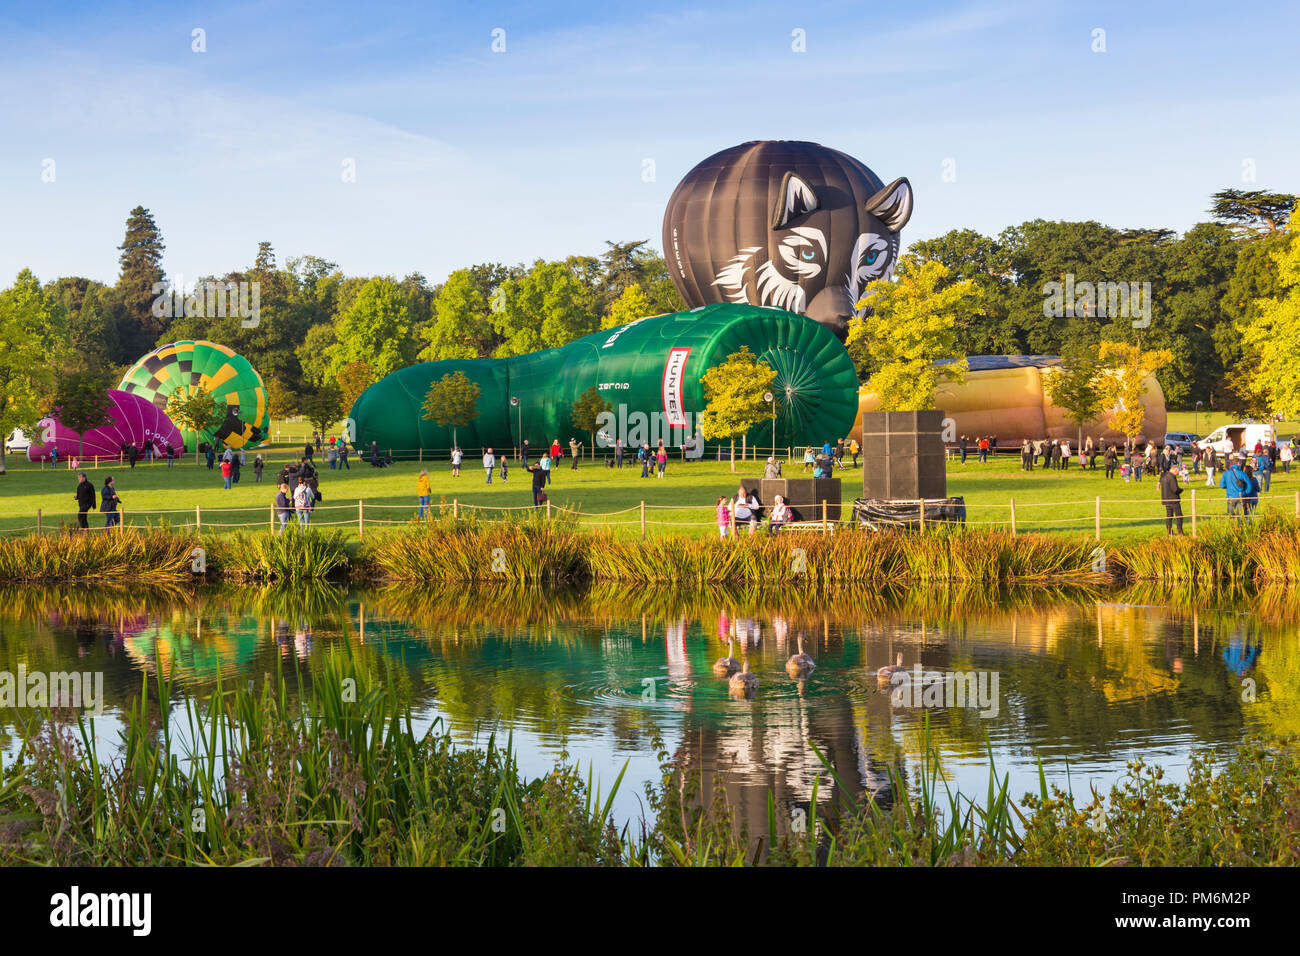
{"x": 548, "y": 509}
{"x": 1193, "y": 512}
{"x": 38, "y": 521}
{"x": 825, "y": 526}
{"x": 1097, "y": 519}
{"x": 1013, "y": 517}
{"x": 361, "y": 518}
{"x": 272, "y": 519}
{"x": 198, "y": 518}
{"x": 922, "y": 512}
{"x": 455, "y": 508}
{"x": 643, "y": 519}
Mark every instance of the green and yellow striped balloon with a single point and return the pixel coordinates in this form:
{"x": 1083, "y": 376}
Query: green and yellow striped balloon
{"x": 189, "y": 366}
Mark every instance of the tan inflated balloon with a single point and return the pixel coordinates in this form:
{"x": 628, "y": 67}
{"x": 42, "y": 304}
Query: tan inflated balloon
{"x": 1004, "y": 396}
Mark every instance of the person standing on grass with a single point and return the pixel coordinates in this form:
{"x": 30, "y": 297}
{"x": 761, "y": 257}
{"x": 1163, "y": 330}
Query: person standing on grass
{"x": 227, "y": 469}
{"x": 307, "y": 450}
{"x": 108, "y": 503}
{"x": 573, "y": 452}
{"x": 422, "y": 491}
{"x": 539, "y": 481}
{"x": 1236, "y": 485}
{"x": 854, "y": 450}
{"x": 1137, "y": 462}
{"x": 171, "y": 454}
{"x": 548, "y": 466}
{"x": 662, "y": 459}
{"x": 85, "y": 496}
{"x": 489, "y": 462}
{"x": 257, "y": 468}
{"x": 331, "y": 457}
{"x": 1264, "y": 470}
{"x": 1111, "y": 458}
{"x": 1065, "y": 455}
{"x": 1284, "y": 455}
{"x": 982, "y": 444}
{"x": 505, "y": 467}
{"x": 618, "y": 453}
{"x": 556, "y": 453}
{"x": 283, "y": 506}
{"x": 343, "y": 455}
{"x": 772, "y": 469}
{"x": 643, "y": 455}
{"x": 724, "y": 516}
{"x": 54, "y": 457}
{"x": 210, "y": 454}
{"x": 1169, "y": 495}
{"x": 1211, "y": 464}
{"x": 303, "y": 498}
{"x": 808, "y": 458}
{"x": 456, "y": 456}
{"x": 236, "y": 465}
{"x": 132, "y": 454}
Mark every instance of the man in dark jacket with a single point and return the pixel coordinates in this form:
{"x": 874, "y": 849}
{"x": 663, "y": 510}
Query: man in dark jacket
{"x": 1237, "y": 485}
{"x": 85, "y": 499}
{"x": 1111, "y": 459}
{"x": 1169, "y": 495}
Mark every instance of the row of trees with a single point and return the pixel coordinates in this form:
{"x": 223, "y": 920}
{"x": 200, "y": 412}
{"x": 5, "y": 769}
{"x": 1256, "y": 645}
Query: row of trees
{"x": 1222, "y": 305}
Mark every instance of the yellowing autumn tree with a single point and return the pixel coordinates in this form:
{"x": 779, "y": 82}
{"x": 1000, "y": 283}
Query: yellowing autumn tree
{"x": 733, "y": 393}
{"x": 910, "y": 336}
{"x": 1123, "y": 388}
{"x": 1271, "y": 340}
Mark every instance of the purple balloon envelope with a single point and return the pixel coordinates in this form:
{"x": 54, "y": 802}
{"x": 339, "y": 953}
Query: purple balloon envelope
{"x": 134, "y": 421}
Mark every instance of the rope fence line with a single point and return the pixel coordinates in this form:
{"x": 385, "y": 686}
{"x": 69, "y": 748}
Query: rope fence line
{"x": 1012, "y": 515}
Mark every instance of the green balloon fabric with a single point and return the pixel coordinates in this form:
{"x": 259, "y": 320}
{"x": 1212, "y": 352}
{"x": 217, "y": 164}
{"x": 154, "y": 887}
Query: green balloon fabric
{"x": 650, "y": 372}
{"x": 188, "y": 366}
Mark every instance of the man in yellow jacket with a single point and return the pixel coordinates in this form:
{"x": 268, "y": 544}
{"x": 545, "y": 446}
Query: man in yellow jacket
{"x": 422, "y": 490}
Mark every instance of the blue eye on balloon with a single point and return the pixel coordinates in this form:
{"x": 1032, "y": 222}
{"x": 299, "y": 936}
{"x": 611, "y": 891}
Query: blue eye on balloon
{"x": 871, "y": 257}
{"x": 806, "y": 255}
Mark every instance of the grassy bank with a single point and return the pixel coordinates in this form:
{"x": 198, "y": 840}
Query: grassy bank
{"x": 364, "y": 500}
{"x": 532, "y": 549}
{"x": 344, "y": 779}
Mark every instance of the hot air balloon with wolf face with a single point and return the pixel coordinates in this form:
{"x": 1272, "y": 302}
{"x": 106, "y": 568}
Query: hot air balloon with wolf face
{"x": 784, "y": 223}
{"x": 191, "y": 366}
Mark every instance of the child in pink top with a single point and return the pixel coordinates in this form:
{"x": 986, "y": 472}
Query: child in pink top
{"x": 724, "y": 517}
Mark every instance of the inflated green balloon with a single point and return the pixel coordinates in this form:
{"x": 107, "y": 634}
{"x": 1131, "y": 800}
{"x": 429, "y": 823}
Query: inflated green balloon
{"x": 189, "y": 366}
{"x": 649, "y": 371}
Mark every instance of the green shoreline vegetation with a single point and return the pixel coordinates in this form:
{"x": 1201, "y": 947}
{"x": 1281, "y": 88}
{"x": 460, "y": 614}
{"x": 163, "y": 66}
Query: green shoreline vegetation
{"x": 534, "y": 549}
{"x": 343, "y": 778}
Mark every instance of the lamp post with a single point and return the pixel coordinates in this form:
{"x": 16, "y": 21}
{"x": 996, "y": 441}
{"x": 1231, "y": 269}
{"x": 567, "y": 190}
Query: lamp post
{"x": 514, "y": 401}
{"x": 1196, "y": 420}
{"x": 771, "y": 400}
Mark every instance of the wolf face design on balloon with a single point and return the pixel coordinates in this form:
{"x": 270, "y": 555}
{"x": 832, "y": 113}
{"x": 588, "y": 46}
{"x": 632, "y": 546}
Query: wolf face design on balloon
{"x": 802, "y": 256}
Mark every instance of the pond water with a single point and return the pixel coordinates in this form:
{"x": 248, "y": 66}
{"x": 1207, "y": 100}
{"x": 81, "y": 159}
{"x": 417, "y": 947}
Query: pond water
{"x": 1083, "y": 682}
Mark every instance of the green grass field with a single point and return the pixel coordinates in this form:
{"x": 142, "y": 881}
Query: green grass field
{"x": 682, "y": 502}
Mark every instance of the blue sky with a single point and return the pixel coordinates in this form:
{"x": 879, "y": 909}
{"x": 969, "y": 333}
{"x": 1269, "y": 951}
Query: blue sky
{"x": 464, "y": 155}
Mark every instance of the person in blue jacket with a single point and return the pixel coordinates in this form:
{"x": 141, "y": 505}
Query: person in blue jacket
{"x": 1237, "y": 485}
{"x": 1264, "y": 469}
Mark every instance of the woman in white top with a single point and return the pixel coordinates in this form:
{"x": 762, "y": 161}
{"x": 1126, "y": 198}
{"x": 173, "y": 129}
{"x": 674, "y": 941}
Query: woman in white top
{"x": 780, "y": 515}
{"x": 455, "y": 462}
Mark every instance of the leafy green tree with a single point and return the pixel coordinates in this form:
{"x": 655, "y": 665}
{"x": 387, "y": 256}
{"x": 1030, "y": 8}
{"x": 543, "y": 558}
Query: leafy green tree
{"x": 548, "y": 306}
{"x": 633, "y": 304}
{"x": 1075, "y": 387}
{"x": 196, "y": 410}
{"x": 353, "y": 379}
{"x": 1253, "y": 211}
{"x": 141, "y": 269}
{"x": 81, "y": 403}
{"x": 587, "y": 409}
{"x": 323, "y": 407}
{"x": 33, "y": 347}
{"x": 911, "y": 336}
{"x": 314, "y": 355}
{"x": 733, "y": 393}
{"x": 376, "y": 328}
{"x": 452, "y": 402}
{"x": 462, "y": 326}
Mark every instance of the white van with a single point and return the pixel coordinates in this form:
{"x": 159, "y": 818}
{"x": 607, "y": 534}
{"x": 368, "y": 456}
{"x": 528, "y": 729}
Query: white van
{"x": 16, "y": 442}
{"x": 1230, "y": 438}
